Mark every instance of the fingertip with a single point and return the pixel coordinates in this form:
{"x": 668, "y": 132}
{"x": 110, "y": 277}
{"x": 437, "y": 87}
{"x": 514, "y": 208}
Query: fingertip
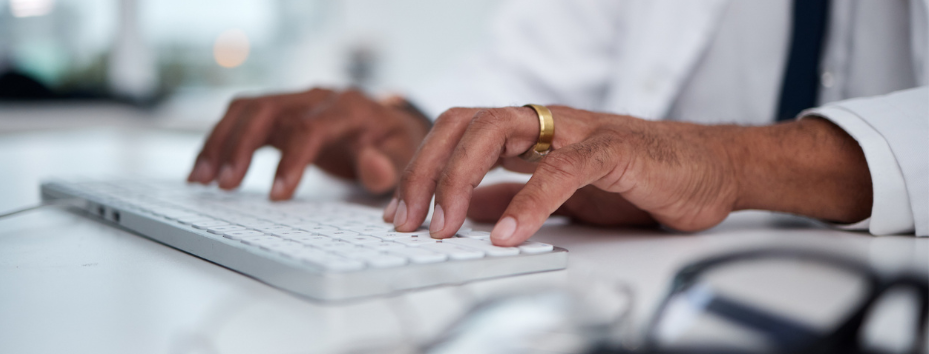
{"x": 438, "y": 222}
{"x": 375, "y": 171}
{"x": 201, "y": 172}
{"x": 227, "y": 177}
{"x": 503, "y": 233}
{"x": 401, "y": 216}
{"x": 279, "y": 190}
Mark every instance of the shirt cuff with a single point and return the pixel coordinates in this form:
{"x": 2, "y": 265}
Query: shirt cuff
{"x": 891, "y": 212}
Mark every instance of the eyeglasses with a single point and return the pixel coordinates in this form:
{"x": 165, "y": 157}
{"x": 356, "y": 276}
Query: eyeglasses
{"x": 783, "y": 301}
{"x": 760, "y": 301}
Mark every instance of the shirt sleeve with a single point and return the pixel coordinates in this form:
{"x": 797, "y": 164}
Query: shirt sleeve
{"x": 545, "y": 52}
{"x": 893, "y": 132}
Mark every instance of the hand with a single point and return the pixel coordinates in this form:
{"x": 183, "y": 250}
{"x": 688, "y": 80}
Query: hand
{"x": 679, "y": 174}
{"x": 344, "y": 133}
{"x": 685, "y": 176}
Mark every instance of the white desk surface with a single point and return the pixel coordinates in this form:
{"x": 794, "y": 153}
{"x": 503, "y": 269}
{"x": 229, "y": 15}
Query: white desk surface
{"x": 69, "y": 284}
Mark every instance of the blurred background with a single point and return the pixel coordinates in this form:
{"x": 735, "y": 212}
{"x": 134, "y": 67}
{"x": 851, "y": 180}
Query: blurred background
{"x": 177, "y": 63}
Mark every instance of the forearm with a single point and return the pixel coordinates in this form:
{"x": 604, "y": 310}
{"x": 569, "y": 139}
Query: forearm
{"x": 809, "y": 167}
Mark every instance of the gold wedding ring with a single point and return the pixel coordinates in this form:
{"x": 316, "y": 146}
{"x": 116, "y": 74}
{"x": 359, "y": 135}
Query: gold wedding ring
{"x": 546, "y": 134}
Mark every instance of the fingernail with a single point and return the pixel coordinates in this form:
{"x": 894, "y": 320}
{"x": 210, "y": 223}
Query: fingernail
{"x": 277, "y": 188}
{"x": 438, "y": 220}
{"x": 400, "y": 218}
{"x": 226, "y": 175}
{"x": 390, "y": 209}
{"x": 504, "y": 229}
{"x": 201, "y": 169}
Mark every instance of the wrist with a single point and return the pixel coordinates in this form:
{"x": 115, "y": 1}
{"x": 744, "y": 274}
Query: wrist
{"x": 808, "y": 167}
{"x": 748, "y": 163}
{"x": 734, "y": 144}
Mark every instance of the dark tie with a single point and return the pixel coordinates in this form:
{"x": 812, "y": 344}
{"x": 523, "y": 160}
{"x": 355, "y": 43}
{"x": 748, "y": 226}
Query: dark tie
{"x": 801, "y": 79}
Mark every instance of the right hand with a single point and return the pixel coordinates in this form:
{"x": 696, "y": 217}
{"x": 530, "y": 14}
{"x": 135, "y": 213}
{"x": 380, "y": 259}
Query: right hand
{"x": 345, "y": 133}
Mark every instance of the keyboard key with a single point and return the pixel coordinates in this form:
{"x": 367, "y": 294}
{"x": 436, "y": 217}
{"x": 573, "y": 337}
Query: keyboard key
{"x": 219, "y": 230}
{"x": 282, "y": 246}
{"x": 208, "y": 224}
{"x": 357, "y": 252}
{"x": 414, "y": 241}
{"x": 188, "y": 218}
{"x": 255, "y": 224}
{"x": 480, "y": 235}
{"x": 338, "y": 233}
{"x": 481, "y": 245}
{"x": 304, "y": 224}
{"x": 395, "y": 234}
{"x": 361, "y": 239}
{"x": 291, "y": 233}
{"x": 386, "y": 245}
{"x": 337, "y": 245}
{"x": 535, "y": 247}
{"x": 239, "y": 234}
{"x": 319, "y": 229}
{"x": 174, "y": 215}
{"x": 314, "y": 240}
{"x": 454, "y": 251}
{"x": 273, "y": 228}
{"x": 418, "y": 255}
{"x": 195, "y": 220}
{"x": 262, "y": 241}
{"x": 367, "y": 230}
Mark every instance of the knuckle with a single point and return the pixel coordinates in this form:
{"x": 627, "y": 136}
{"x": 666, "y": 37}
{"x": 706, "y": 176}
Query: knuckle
{"x": 453, "y": 114}
{"x": 560, "y": 165}
{"x": 239, "y": 102}
{"x": 353, "y": 93}
{"x": 487, "y": 115}
{"x": 451, "y": 181}
{"x": 412, "y": 177}
{"x": 318, "y": 91}
{"x": 487, "y": 119}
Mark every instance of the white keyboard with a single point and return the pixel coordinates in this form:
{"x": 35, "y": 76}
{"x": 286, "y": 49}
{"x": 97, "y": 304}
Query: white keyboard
{"x": 323, "y": 250}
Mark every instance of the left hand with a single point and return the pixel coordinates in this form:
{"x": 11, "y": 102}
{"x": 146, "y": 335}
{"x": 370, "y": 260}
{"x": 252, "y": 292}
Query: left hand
{"x": 680, "y": 174}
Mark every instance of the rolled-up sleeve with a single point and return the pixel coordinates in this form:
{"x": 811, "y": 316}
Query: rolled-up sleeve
{"x": 893, "y": 132}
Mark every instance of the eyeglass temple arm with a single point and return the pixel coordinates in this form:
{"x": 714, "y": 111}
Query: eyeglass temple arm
{"x": 783, "y": 331}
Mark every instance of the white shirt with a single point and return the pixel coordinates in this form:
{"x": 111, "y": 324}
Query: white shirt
{"x": 719, "y": 61}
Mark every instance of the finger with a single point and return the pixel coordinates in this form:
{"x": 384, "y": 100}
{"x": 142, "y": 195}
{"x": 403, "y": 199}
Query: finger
{"x": 250, "y": 133}
{"x": 299, "y": 150}
{"x": 208, "y": 160}
{"x": 253, "y": 130}
{"x": 518, "y": 165}
{"x": 375, "y": 170}
{"x": 557, "y": 177}
{"x": 494, "y": 133}
{"x": 417, "y": 182}
{"x": 378, "y": 165}
{"x": 301, "y": 139}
